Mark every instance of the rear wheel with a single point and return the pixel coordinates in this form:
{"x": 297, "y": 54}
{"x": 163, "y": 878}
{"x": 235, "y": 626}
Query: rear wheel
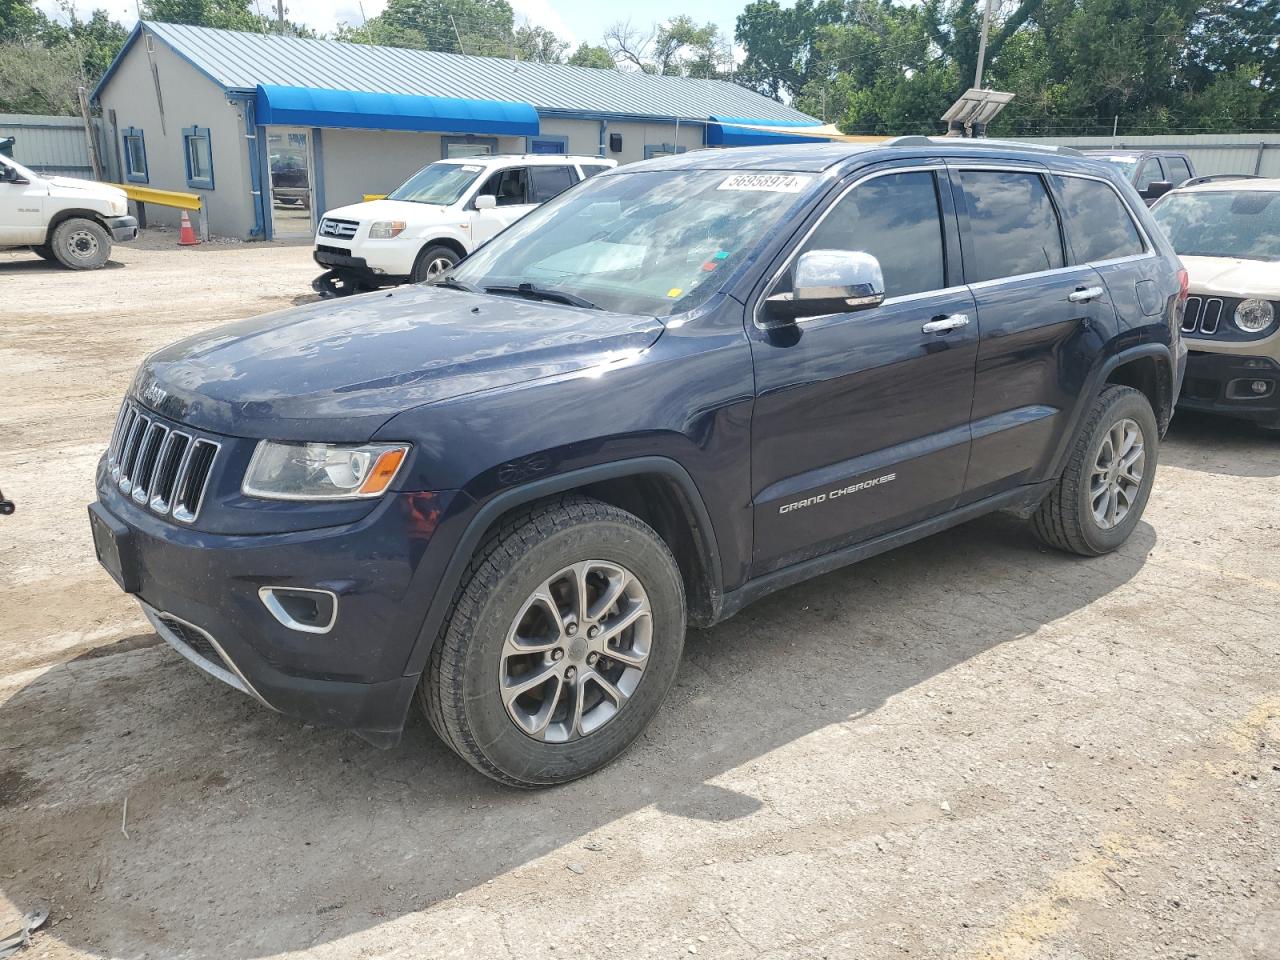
{"x": 563, "y": 640}
{"x": 1101, "y": 494}
{"x": 432, "y": 262}
{"x": 80, "y": 244}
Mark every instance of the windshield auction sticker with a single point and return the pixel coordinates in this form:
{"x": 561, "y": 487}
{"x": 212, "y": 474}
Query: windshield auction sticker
{"x": 768, "y": 182}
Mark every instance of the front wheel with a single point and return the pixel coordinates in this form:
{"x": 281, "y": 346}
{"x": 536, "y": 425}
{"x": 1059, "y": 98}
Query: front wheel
{"x": 1101, "y": 494}
{"x": 563, "y": 640}
{"x": 81, "y": 244}
{"x": 432, "y": 262}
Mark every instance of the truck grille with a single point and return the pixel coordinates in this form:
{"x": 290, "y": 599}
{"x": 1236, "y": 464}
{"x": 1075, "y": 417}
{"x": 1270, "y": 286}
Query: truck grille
{"x": 1203, "y": 315}
{"x": 338, "y": 229}
{"x": 158, "y": 466}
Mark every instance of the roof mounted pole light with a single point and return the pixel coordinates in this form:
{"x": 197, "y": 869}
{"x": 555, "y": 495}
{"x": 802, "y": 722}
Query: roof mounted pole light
{"x": 969, "y": 116}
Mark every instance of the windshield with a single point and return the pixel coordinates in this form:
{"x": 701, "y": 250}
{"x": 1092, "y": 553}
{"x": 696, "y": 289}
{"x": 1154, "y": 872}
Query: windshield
{"x": 1126, "y": 164}
{"x": 28, "y": 174}
{"x": 645, "y": 243}
{"x": 441, "y": 183}
{"x": 1242, "y": 223}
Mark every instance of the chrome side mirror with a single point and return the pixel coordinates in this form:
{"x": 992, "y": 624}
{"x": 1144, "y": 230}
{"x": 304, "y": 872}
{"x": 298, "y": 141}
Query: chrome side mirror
{"x": 829, "y": 281}
{"x": 486, "y": 201}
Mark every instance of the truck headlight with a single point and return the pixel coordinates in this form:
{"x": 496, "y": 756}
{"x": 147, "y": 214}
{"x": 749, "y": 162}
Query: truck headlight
{"x": 385, "y": 229}
{"x": 1254, "y": 316}
{"x": 322, "y": 471}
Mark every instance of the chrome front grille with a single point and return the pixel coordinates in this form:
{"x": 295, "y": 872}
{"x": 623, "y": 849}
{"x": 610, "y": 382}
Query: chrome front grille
{"x": 1203, "y": 315}
{"x": 339, "y": 229}
{"x": 159, "y": 466}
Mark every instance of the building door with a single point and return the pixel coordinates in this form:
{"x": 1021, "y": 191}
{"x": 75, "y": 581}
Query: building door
{"x": 289, "y": 160}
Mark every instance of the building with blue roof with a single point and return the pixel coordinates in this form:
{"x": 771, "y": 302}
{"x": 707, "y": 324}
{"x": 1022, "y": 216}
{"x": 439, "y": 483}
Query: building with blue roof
{"x": 272, "y": 130}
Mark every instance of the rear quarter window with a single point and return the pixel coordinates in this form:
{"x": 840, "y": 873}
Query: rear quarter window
{"x": 1098, "y": 223}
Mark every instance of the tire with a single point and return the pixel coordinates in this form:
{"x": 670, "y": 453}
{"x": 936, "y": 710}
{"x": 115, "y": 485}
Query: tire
{"x": 43, "y": 251}
{"x": 80, "y": 244}
{"x": 433, "y": 261}
{"x": 499, "y": 599}
{"x": 1066, "y": 519}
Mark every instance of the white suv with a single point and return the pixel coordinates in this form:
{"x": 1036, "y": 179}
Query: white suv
{"x": 437, "y": 217}
{"x": 71, "y": 221}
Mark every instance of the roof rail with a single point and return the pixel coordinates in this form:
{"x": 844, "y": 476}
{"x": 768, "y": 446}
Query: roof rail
{"x": 917, "y": 140}
{"x": 1195, "y": 181}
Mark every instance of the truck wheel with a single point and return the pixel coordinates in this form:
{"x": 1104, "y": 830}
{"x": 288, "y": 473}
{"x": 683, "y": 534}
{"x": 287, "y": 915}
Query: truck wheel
{"x": 80, "y": 244}
{"x": 433, "y": 261}
{"x": 563, "y": 638}
{"x": 1101, "y": 494}
{"x": 43, "y": 251}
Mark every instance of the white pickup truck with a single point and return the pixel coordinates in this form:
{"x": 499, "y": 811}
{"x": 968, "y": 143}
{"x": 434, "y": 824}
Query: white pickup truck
{"x": 437, "y": 217}
{"x": 71, "y": 221}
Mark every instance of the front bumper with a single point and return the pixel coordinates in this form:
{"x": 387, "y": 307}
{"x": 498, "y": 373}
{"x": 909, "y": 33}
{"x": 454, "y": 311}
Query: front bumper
{"x": 123, "y": 229}
{"x": 200, "y": 591}
{"x": 1223, "y": 383}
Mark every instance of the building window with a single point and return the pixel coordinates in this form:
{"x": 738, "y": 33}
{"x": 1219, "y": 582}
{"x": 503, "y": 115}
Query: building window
{"x": 652, "y": 150}
{"x": 198, "y": 157}
{"x": 135, "y": 155}
{"x": 546, "y": 144}
{"x": 468, "y": 146}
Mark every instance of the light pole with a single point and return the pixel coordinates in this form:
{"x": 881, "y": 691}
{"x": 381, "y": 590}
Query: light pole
{"x": 982, "y": 44}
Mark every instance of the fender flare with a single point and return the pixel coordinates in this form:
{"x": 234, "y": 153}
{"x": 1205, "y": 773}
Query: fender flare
{"x": 1159, "y": 351}
{"x": 496, "y": 506}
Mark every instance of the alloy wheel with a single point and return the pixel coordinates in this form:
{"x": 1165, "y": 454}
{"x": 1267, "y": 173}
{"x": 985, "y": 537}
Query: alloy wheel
{"x": 576, "y": 651}
{"x": 1117, "y": 473}
{"x": 438, "y": 266}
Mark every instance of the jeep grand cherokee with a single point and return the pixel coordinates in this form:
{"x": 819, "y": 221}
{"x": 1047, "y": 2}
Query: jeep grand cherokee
{"x": 676, "y": 388}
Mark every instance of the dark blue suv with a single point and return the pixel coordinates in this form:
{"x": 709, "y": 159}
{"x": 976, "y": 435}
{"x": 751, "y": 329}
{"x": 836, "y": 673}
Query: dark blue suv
{"x": 671, "y": 391}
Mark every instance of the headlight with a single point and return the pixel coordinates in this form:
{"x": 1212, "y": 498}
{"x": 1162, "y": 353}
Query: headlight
{"x": 321, "y": 471}
{"x": 385, "y": 229}
{"x": 1254, "y": 316}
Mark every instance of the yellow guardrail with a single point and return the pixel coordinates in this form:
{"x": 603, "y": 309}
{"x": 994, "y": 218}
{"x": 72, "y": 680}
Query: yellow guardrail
{"x": 165, "y": 198}
{"x": 370, "y": 197}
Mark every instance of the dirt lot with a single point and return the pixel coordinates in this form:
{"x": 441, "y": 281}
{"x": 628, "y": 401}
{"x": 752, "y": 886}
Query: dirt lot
{"x": 971, "y": 747}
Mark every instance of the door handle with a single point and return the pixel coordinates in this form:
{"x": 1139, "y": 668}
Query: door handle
{"x": 1084, "y": 294}
{"x": 942, "y": 324}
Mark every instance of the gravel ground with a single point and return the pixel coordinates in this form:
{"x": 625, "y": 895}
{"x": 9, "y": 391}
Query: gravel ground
{"x": 970, "y": 747}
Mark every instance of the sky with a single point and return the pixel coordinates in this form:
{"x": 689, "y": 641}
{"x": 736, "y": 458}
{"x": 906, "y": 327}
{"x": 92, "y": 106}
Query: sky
{"x": 576, "y": 21}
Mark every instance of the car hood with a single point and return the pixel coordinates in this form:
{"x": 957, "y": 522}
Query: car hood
{"x": 1232, "y": 277}
{"x": 339, "y": 369}
{"x": 391, "y": 210}
{"x": 88, "y": 186}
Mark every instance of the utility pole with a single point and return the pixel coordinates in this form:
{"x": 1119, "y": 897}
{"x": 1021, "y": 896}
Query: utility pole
{"x": 280, "y": 16}
{"x": 982, "y": 44}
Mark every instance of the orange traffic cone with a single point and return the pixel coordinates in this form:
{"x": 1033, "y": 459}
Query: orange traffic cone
{"x": 186, "y": 236}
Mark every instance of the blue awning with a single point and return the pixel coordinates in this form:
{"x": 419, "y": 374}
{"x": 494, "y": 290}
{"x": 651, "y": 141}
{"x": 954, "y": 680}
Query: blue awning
{"x": 723, "y": 133}
{"x": 314, "y": 107}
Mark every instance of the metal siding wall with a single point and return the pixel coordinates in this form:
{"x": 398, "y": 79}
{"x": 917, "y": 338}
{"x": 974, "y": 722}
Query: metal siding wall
{"x": 50, "y": 145}
{"x": 1211, "y": 154}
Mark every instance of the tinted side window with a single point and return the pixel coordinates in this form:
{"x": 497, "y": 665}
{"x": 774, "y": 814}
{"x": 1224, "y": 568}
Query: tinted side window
{"x": 591, "y": 169}
{"x": 1012, "y": 225}
{"x": 1149, "y": 173}
{"x": 896, "y": 219}
{"x": 1179, "y": 171}
{"x": 1098, "y": 222}
{"x": 549, "y": 181}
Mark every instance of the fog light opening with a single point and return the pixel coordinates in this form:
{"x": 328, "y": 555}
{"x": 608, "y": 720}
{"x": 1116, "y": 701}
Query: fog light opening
{"x": 300, "y": 608}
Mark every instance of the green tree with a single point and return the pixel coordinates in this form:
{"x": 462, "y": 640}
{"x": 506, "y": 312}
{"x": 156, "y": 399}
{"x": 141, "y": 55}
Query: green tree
{"x": 779, "y": 43}
{"x": 588, "y": 56}
{"x": 20, "y": 20}
{"x": 538, "y": 44}
{"x": 678, "y": 46}
{"x": 226, "y": 14}
{"x": 478, "y": 27}
{"x": 38, "y": 79}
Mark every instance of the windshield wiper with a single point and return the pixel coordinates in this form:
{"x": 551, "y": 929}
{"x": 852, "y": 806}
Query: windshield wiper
{"x": 454, "y": 285}
{"x": 530, "y": 292}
